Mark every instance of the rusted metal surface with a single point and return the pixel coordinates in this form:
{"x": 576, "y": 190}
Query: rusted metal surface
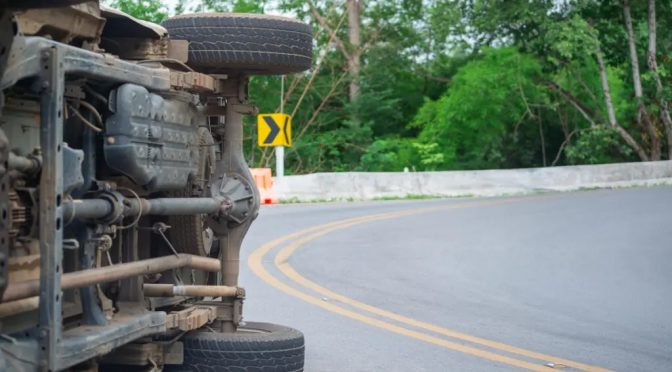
{"x": 18, "y": 216}
{"x": 48, "y": 287}
{"x": 170, "y": 290}
{"x": 243, "y": 109}
{"x": 19, "y": 306}
{"x": 24, "y": 62}
{"x": 192, "y": 81}
{"x": 123, "y": 24}
{"x": 95, "y": 306}
{"x": 179, "y": 50}
{"x": 24, "y": 268}
{"x": 25, "y": 4}
{"x": 138, "y": 49}
{"x": 233, "y": 164}
{"x": 130, "y": 324}
{"x": 63, "y": 23}
{"x": 83, "y": 278}
{"x": 234, "y": 170}
{"x": 42, "y": 287}
{"x": 191, "y": 318}
{"x": 147, "y": 354}
{"x": 228, "y": 314}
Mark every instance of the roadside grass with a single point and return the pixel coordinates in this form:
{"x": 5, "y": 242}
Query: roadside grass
{"x": 415, "y": 197}
{"x": 295, "y": 200}
{"x": 304, "y": 201}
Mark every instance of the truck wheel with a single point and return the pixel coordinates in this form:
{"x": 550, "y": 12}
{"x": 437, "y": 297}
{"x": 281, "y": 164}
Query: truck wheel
{"x": 254, "y": 44}
{"x": 255, "y": 347}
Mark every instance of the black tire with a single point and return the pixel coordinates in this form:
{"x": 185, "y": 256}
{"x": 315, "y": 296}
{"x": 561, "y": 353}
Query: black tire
{"x": 256, "y": 347}
{"x": 254, "y": 44}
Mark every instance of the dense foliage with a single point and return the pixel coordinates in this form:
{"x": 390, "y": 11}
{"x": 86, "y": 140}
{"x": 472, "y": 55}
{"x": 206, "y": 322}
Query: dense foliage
{"x": 451, "y": 84}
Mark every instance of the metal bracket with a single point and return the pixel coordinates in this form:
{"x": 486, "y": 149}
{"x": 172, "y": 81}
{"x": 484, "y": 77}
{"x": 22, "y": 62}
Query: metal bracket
{"x": 227, "y": 311}
{"x": 142, "y": 354}
{"x": 51, "y": 215}
{"x": 72, "y": 167}
{"x": 192, "y": 81}
{"x": 179, "y": 50}
{"x": 191, "y": 318}
{"x": 233, "y": 88}
{"x": 243, "y": 109}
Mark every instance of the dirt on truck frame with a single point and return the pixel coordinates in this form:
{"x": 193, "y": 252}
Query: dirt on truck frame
{"x": 124, "y": 192}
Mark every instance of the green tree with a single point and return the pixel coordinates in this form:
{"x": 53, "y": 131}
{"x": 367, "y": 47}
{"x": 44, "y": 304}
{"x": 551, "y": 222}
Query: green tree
{"x": 467, "y": 84}
{"x": 489, "y": 118}
{"x": 148, "y": 10}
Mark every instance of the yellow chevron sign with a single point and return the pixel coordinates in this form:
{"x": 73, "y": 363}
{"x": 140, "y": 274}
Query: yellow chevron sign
{"x": 274, "y": 130}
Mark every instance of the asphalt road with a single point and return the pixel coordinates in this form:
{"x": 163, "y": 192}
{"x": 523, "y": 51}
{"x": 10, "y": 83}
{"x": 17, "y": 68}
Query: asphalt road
{"x": 580, "y": 280}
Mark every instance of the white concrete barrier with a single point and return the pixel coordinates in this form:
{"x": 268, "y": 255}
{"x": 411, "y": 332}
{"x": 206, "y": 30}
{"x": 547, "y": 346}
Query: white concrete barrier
{"x": 375, "y": 185}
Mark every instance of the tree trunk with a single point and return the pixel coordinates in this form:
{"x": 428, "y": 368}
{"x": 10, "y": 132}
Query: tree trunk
{"x": 543, "y": 142}
{"x": 613, "y": 123}
{"x": 653, "y": 66}
{"x": 642, "y": 115}
{"x": 611, "y": 113}
{"x": 354, "y": 32}
{"x": 584, "y": 110}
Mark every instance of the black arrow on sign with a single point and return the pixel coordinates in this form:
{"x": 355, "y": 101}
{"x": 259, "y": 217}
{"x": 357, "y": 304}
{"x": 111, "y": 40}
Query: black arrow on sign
{"x": 284, "y": 130}
{"x": 275, "y": 129}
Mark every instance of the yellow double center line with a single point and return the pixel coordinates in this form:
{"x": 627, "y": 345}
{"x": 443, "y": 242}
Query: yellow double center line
{"x": 297, "y": 239}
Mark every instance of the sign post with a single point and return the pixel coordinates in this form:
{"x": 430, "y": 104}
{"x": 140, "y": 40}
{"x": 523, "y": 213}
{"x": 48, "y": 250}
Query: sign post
{"x": 275, "y": 130}
{"x": 280, "y": 150}
{"x": 279, "y": 161}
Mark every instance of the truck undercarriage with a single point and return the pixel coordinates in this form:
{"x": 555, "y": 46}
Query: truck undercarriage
{"x": 124, "y": 192}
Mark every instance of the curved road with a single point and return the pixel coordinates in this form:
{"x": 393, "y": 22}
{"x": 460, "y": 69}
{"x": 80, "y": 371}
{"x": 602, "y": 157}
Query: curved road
{"x": 574, "y": 281}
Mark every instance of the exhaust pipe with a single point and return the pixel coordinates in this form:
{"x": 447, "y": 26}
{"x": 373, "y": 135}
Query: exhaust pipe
{"x": 85, "y": 278}
{"x": 169, "y": 290}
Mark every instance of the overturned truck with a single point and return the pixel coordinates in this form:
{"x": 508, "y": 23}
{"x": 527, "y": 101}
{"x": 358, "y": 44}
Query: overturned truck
{"x": 124, "y": 192}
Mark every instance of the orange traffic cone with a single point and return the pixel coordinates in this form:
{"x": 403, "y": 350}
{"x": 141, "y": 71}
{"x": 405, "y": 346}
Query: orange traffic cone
{"x": 264, "y": 181}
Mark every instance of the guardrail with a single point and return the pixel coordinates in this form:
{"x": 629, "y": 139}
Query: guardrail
{"x": 380, "y": 185}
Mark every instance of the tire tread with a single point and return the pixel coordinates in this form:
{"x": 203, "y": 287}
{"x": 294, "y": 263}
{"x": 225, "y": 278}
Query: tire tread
{"x": 281, "y": 349}
{"x": 257, "y": 44}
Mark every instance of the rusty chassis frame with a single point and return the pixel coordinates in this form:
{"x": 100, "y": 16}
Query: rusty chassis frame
{"x": 49, "y": 346}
